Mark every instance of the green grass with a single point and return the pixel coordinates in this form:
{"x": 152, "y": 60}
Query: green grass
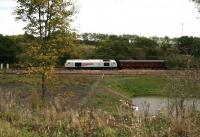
{"x": 11, "y": 79}
{"x": 138, "y": 86}
{"x": 105, "y": 101}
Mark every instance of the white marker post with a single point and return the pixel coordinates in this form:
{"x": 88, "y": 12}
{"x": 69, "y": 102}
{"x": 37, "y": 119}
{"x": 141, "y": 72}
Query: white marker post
{"x": 1, "y": 66}
{"x": 7, "y": 66}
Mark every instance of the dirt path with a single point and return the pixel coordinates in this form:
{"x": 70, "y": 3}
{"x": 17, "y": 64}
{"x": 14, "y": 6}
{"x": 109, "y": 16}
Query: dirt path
{"x": 117, "y": 94}
{"x": 95, "y": 88}
{"x": 92, "y": 91}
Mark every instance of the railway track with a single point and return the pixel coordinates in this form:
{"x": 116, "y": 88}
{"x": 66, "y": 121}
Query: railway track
{"x": 103, "y": 72}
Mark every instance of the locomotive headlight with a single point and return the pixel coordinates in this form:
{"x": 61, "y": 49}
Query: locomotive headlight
{"x": 67, "y": 64}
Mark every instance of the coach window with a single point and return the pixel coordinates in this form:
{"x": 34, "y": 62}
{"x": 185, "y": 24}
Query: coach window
{"x": 77, "y": 64}
{"x": 106, "y": 64}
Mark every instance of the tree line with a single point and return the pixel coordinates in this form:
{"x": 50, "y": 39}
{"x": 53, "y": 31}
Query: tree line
{"x": 177, "y": 51}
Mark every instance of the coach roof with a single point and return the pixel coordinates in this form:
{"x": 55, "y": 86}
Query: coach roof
{"x": 88, "y": 60}
{"x": 141, "y": 60}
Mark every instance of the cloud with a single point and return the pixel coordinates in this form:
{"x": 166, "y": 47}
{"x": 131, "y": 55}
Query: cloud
{"x": 141, "y": 17}
{"x": 5, "y": 8}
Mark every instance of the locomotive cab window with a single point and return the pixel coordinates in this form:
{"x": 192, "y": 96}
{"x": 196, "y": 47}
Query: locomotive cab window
{"x": 77, "y": 64}
{"x": 106, "y": 64}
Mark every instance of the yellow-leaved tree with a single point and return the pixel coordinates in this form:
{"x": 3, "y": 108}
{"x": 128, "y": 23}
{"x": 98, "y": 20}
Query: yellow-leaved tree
{"x": 48, "y": 21}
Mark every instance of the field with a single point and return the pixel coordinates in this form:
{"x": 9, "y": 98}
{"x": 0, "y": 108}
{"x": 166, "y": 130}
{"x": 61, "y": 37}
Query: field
{"x": 138, "y": 86}
{"x": 87, "y": 105}
{"x": 95, "y": 91}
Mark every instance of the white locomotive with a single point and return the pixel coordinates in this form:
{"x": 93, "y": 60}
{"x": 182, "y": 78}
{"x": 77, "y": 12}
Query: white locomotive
{"x": 90, "y": 64}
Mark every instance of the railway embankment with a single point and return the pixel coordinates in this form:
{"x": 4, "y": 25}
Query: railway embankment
{"x": 125, "y": 72}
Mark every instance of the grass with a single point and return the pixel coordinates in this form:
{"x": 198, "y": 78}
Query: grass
{"x": 138, "y": 86}
{"x": 105, "y": 101}
{"x": 54, "y": 120}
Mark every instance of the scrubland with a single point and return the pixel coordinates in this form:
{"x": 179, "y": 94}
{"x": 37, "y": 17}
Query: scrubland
{"x": 82, "y": 106}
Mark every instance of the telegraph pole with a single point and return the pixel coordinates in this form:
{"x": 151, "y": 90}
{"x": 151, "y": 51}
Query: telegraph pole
{"x": 182, "y": 25}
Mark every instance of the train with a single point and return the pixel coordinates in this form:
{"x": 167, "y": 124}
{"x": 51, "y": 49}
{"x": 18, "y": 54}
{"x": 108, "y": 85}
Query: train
{"x": 99, "y": 64}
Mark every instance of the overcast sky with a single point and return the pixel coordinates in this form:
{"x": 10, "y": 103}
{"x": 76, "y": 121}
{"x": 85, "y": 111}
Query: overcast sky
{"x": 140, "y": 17}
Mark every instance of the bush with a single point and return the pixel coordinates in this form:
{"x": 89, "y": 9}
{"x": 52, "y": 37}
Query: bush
{"x": 178, "y": 61}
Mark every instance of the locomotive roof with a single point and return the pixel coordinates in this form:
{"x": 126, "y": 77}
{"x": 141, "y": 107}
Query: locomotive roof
{"x": 88, "y": 60}
{"x": 141, "y": 60}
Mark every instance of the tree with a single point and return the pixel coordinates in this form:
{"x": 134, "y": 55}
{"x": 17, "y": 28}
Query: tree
{"x": 196, "y": 47}
{"x": 197, "y": 2}
{"x": 196, "y": 41}
{"x": 8, "y": 49}
{"x": 167, "y": 47}
{"x": 147, "y": 46}
{"x": 184, "y": 44}
{"x": 49, "y": 22}
{"x": 114, "y": 48}
{"x": 189, "y": 45}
